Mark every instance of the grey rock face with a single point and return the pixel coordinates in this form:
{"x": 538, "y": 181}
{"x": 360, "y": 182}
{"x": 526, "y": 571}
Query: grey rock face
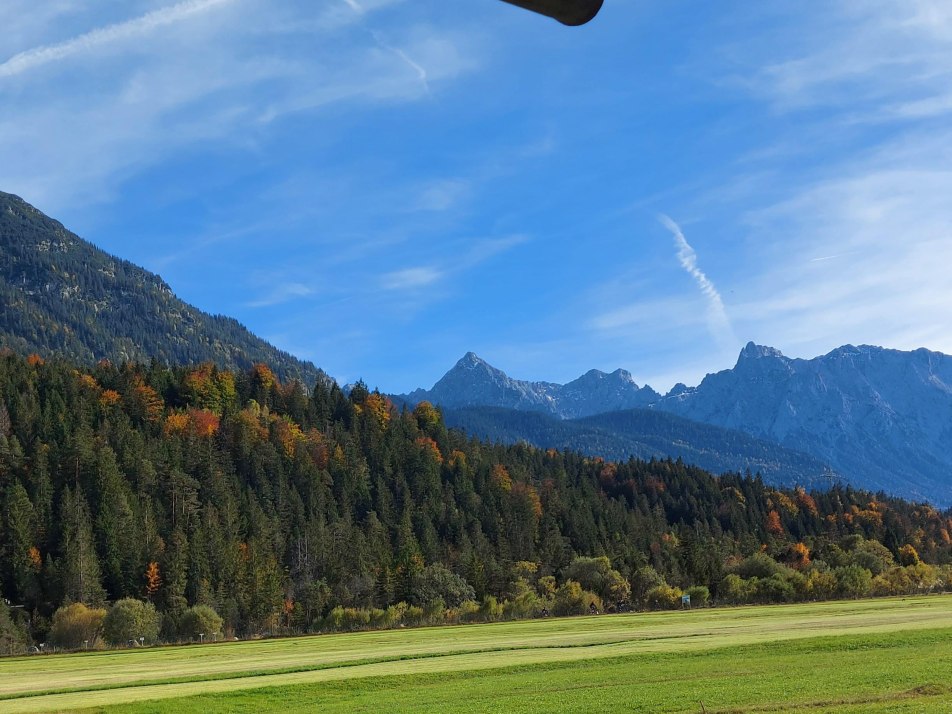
{"x": 882, "y": 418}
{"x": 474, "y": 382}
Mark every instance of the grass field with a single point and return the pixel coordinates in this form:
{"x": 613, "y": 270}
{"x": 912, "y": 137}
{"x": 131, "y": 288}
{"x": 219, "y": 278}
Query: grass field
{"x": 860, "y": 656}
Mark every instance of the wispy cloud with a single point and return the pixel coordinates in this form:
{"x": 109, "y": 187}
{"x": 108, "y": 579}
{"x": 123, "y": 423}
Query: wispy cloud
{"x": 129, "y": 29}
{"x": 411, "y": 278}
{"x": 466, "y": 257}
{"x": 281, "y": 294}
{"x": 718, "y": 321}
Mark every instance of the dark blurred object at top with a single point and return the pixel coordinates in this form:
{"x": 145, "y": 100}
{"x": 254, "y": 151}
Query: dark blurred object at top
{"x": 568, "y": 12}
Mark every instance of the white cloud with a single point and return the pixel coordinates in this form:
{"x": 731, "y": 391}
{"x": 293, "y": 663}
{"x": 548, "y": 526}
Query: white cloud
{"x": 119, "y": 31}
{"x": 165, "y": 83}
{"x": 411, "y": 278}
{"x": 281, "y": 294}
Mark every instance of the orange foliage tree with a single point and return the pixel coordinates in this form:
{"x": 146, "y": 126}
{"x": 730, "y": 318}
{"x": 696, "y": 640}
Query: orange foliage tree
{"x": 774, "y": 526}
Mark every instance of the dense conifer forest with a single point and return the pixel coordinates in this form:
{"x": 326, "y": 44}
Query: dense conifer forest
{"x": 195, "y": 500}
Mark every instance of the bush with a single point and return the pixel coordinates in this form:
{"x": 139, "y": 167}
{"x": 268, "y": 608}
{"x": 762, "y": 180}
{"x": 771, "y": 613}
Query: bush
{"x": 596, "y": 575}
{"x": 197, "y": 621}
{"x": 700, "y": 595}
{"x": 776, "y": 588}
{"x": 467, "y": 611}
{"x": 76, "y": 626}
{"x": 490, "y": 610}
{"x": 758, "y": 565}
{"x": 664, "y": 597}
{"x": 643, "y": 581}
{"x": 130, "y": 619}
{"x": 572, "y": 599}
{"x": 524, "y": 605}
{"x": 735, "y": 590}
{"x": 439, "y": 583}
{"x": 853, "y": 581}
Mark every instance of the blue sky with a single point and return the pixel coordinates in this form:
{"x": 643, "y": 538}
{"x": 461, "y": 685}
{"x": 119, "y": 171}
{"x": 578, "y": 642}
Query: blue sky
{"x": 382, "y": 185}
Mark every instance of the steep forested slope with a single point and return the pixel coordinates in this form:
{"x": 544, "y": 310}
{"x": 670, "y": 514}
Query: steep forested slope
{"x": 63, "y": 296}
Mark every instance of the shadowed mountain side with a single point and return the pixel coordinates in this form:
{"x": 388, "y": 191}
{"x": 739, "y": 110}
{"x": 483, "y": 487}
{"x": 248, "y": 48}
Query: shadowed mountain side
{"x": 63, "y": 296}
{"x": 646, "y": 434}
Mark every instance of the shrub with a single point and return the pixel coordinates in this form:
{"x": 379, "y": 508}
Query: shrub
{"x": 758, "y": 565}
{"x": 572, "y": 599}
{"x": 199, "y": 620}
{"x": 467, "y": 611}
{"x": 76, "y": 626}
{"x": 644, "y": 580}
{"x": 596, "y": 575}
{"x": 437, "y": 582}
{"x": 700, "y": 595}
{"x": 490, "y": 610}
{"x": 130, "y": 619}
{"x": 664, "y": 597}
{"x": 853, "y": 581}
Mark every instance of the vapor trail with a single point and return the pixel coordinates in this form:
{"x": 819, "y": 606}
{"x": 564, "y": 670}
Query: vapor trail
{"x": 142, "y": 25}
{"x": 718, "y": 321}
{"x": 415, "y": 66}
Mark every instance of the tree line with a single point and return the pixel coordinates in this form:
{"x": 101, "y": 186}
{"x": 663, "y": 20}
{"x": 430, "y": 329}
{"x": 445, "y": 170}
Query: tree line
{"x": 201, "y": 493}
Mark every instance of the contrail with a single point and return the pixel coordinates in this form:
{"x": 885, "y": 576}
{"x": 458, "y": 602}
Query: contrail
{"x": 39, "y": 56}
{"x": 415, "y": 66}
{"x": 718, "y": 320}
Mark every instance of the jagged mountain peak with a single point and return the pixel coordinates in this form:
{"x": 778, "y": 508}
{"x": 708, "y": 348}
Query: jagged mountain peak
{"x": 474, "y": 382}
{"x": 753, "y": 351}
{"x": 470, "y": 360}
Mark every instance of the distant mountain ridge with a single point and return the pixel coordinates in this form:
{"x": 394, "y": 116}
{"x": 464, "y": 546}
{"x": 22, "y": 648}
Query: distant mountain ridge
{"x": 474, "y": 382}
{"x": 880, "y": 418}
{"x": 62, "y": 295}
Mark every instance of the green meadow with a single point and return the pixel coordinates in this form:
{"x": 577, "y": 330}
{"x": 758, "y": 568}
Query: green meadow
{"x": 891, "y": 655}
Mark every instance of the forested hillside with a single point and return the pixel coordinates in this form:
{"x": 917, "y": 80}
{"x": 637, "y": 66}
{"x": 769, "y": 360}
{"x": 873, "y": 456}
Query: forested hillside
{"x": 63, "y": 296}
{"x": 646, "y": 434}
{"x": 279, "y": 509}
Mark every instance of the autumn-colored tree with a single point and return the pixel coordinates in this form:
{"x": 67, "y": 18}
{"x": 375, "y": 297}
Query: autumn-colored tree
{"x": 501, "y": 478}
{"x": 531, "y": 497}
{"x": 109, "y": 398}
{"x": 153, "y": 579}
{"x": 288, "y": 434}
{"x": 176, "y": 424}
{"x": 774, "y": 525}
{"x": 806, "y": 502}
{"x": 34, "y": 360}
{"x": 204, "y": 423}
{"x": 798, "y": 556}
{"x": 428, "y": 417}
{"x": 909, "y": 556}
{"x": 430, "y": 448}
{"x": 378, "y": 408}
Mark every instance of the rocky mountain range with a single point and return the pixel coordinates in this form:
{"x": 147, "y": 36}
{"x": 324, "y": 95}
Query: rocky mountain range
{"x": 879, "y": 418}
{"x": 474, "y": 382}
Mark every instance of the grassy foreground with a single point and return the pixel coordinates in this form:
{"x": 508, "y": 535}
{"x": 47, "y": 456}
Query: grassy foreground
{"x": 864, "y": 656}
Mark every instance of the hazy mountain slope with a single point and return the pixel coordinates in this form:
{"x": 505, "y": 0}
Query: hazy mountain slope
{"x": 62, "y": 295}
{"x": 882, "y": 418}
{"x": 645, "y": 434}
